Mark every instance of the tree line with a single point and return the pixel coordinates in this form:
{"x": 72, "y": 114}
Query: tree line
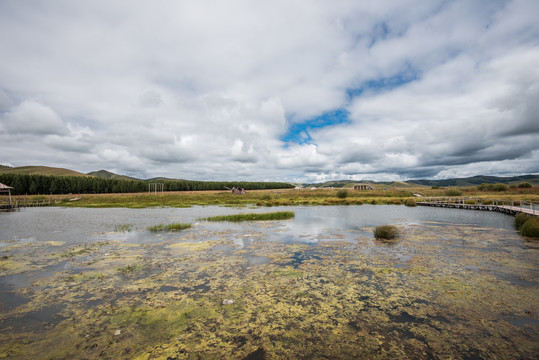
{"x": 45, "y": 184}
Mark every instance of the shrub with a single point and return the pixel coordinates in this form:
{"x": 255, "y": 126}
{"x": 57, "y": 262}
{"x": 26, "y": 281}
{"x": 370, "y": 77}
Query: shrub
{"x": 493, "y": 187}
{"x": 453, "y": 192}
{"x": 342, "y": 194}
{"x": 435, "y": 187}
{"x": 483, "y": 186}
{"x": 520, "y": 219}
{"x": 499, "y": 187}
{"x": 410, "y": 202}
{"x": 531, "y": 228}
{"x": 524, "y": 185}
{"x": 386, "y": 232}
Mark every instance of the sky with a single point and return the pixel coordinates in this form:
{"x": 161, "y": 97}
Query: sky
{"x": 295, "y": 91}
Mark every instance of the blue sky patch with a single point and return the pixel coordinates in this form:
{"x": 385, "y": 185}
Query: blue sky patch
{"x": 384, "y": 84}
{"x": 299, "y": 133}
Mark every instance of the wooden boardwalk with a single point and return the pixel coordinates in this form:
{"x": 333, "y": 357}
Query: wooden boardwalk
{"x": 21, "y": 204}
{"x": 511, "y": 207}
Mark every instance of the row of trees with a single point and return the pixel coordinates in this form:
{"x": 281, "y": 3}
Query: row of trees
{"x": 41, "y": 184}
{"x": 190, "y": 185}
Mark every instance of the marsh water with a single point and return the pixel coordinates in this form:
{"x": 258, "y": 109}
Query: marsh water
{"x": 94, "y": 283}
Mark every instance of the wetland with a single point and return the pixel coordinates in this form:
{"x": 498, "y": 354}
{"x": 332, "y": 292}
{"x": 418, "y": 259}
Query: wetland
{"x": 85, "y": 283}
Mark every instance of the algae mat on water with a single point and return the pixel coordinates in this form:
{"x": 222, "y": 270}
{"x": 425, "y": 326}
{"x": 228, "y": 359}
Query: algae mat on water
{"x": 442, "y": 291}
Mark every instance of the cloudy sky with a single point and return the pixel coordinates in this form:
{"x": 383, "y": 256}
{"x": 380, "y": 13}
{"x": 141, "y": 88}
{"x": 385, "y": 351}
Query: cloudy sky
{"x": 271, "y": 90}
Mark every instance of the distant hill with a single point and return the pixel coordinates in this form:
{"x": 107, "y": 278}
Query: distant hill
{"x": 478, "y": 180}
{"x": 458, "y": 182}
{"x": 109, "y": 175}
{"x": 39, "y": 170}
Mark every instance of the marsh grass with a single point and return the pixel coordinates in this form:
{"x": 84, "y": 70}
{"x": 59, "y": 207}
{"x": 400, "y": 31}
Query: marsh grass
{"x": 342, "y": 194}
{"x": 520, "y": 219}
{"x": 123, "y": 228}
{"x": 279, "y": 215}
{"x": 386, "y": 232}
{"x": 169, "y": 227}
{"x": 453, "y": 192}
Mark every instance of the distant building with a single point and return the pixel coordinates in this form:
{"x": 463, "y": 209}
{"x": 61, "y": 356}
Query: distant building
{"x": 362, "y": 187}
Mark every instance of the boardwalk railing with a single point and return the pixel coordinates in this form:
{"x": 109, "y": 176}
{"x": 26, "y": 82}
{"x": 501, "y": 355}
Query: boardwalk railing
{"x": 27, "y": 203}
{"x": 512, "y": 207}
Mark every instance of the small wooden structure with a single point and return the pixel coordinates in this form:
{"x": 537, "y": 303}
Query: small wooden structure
{"x": 6, "y": 189}
{"x": 236, "y": 190}
{"x": 362, "y": 187}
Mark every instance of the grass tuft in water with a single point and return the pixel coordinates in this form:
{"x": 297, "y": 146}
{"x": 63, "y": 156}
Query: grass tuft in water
{"x": 386, "y": 232}
{"x": 169, "y": 227}
{"x": 279, "y": 215}
{"x": 123, "y": 227}
{"x": 520, "y": 219}
{"x": 530, "y": 228}
{"x": 129, "y": 269}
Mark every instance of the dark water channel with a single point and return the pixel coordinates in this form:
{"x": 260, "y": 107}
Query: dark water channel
{"x": 94, "y": 283}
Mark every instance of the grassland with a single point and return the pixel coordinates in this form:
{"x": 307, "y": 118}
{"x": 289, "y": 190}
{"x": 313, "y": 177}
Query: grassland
{"x": 271, "y": 198}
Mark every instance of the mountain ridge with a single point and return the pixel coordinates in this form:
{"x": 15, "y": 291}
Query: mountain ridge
{"x": 458, "y": 182}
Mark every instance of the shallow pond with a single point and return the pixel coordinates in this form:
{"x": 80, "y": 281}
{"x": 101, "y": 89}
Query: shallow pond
{"x": 457, "y": 284}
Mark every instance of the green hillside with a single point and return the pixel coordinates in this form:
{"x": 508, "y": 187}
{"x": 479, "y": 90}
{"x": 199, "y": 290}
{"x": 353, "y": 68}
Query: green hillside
{"x": 458, "y": 182}
{"x": 109, "y": 175}
{"x": 478, "y": 180}
{"x": 40, "y": 170}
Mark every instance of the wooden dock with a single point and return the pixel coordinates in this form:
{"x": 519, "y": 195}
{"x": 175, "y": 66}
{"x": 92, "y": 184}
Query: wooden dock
{"x": 30, "y": 203}
{"x": 511, "y": 207}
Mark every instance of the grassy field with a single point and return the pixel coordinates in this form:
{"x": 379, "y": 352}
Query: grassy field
{"x": 270, "y": 198}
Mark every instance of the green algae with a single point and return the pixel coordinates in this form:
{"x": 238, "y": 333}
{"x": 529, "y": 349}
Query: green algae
{"x": 441, "y": 292}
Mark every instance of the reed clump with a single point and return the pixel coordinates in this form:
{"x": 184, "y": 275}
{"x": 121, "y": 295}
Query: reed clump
{"x": 169, "y": 227}
{"x": 279, "y": 215}
{"x": 410, "y": 202}
{"x": 520, "y": 219}
{"x": 530, "y": 228}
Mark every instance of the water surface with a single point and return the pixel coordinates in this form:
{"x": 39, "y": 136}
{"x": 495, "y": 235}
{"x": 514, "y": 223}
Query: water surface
{"x": 456, "y": 284}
